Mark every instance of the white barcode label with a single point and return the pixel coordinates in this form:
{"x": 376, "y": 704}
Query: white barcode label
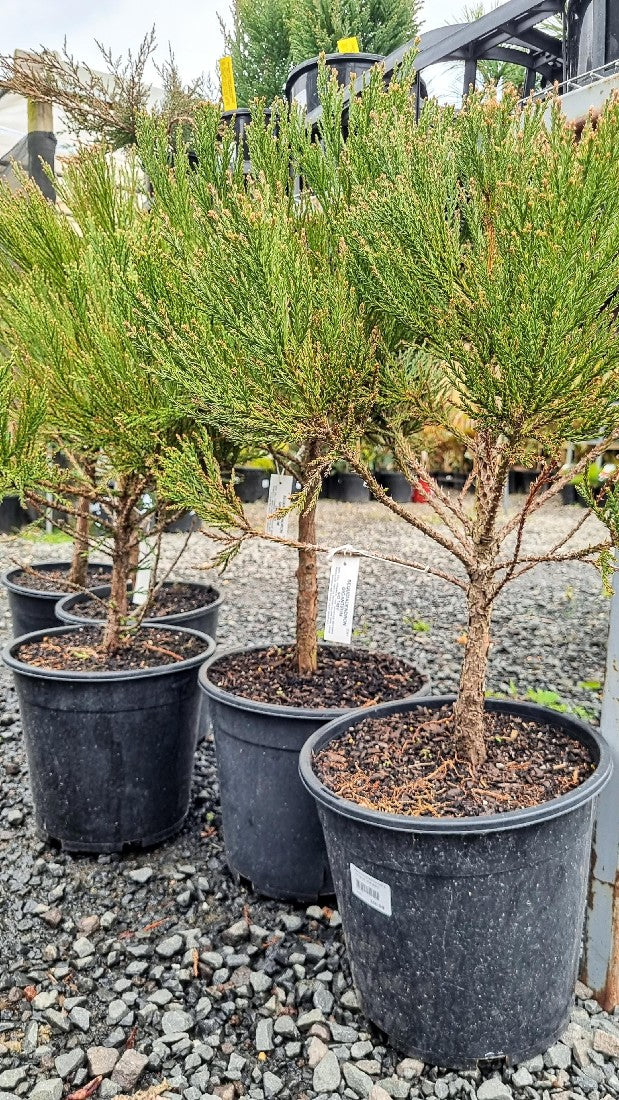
{"x": 341, "y": 599}
{"x": 371, "y": 890}
{"x": 280, "y": 490}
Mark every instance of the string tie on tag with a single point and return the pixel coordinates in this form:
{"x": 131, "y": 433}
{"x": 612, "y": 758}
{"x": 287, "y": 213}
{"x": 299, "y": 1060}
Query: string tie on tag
{"x": 347, "y": 550}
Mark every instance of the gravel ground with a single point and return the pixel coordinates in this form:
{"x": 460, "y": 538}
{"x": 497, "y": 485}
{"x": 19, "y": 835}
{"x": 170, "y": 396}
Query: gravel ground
{"x": 157, "y": 967}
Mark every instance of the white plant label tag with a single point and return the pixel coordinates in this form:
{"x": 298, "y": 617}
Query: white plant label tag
{"x": 142, "y": 577}
{"x": 280, "y": 491}
{"x": 371, "y": 890}
{"x": 341, "y": 599}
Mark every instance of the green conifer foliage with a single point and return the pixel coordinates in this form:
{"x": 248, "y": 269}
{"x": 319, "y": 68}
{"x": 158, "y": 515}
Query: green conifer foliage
{"x": 69, "y": 276}
{"x": 267, "y": 37}
{"x": 459, "y": 265}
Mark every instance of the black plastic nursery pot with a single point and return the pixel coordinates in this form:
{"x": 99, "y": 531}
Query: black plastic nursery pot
{"x": 449, "y": 480}
{"x": 31, "y": 609}
{"x": 570, "y": 495}
{"x": 239, "y": 119}
{"x": 302, "y": 82}
{"x": 183, "y": 524}
{"x": 272, "y": 833}
{"x": 326, "y": 486}
{"x": 204, "y": 618}
{"x": 13, "y": 515}
{"x": 521, "y": 480}
{"x": 110, "y": 754}
{"x": 398, "y": 486}
{"x": 349, "y": 488}
{"x": 252, "y": 484}
{"x": 463, "y": 934}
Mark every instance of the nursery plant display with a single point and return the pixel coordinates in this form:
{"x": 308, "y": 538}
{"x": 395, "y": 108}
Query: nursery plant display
{"x": 265, "y": 40}
{"x": 118, "y": 700}
{"x": 488, "y": 247}
{"x": 275, "y": 350}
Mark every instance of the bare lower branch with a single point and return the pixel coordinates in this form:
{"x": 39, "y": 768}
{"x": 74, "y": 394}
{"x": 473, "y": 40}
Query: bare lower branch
{"x": 556, "y": 487}
{"x": 249, "y": 532}
{"x": 411, "y": 518}
{"x": 587, "y": 554}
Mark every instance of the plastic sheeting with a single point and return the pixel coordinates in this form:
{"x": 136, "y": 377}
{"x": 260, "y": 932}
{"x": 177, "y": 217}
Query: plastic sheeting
{"x": 30, "y": 153}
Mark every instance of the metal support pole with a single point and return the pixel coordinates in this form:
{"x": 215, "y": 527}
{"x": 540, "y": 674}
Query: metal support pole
{"x": 600, "y": 968}
{"x": 470, "y": 76}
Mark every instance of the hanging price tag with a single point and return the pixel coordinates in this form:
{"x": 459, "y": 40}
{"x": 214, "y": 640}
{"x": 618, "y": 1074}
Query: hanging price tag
{"x": 143, "y": 575}
{"x": 341, "y": 599}
{"x": 228, "y": 90}
{"x": 348, "y": 45}
{"x": 280, "y": 491}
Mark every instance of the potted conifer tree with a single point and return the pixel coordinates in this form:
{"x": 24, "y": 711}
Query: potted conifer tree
{"x": 488, "y": 245}
{"x": 274, "y": 349}
{"x": 40, "y": 252}
{"x": 33, "y": 593}
{"x": 109, "y": 710}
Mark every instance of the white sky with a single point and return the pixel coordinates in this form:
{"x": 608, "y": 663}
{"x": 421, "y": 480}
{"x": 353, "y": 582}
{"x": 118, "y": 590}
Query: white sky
{"x": 190, "y": 26}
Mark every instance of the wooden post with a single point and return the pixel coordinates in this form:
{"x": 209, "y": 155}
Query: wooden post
{"x": 41, "y": 138}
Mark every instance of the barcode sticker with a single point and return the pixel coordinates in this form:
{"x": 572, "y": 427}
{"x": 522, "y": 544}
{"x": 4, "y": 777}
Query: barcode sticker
{"x": 341, "y": 599}
{"x": 371, "y": 890}
{"x": 280, "y": 491}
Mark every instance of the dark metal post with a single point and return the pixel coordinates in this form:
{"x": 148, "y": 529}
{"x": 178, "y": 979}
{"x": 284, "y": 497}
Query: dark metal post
{"x": 470, "y": 75}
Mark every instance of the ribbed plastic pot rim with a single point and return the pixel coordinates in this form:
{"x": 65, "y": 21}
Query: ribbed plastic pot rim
{"x": 24, "y": 669}
{"x": 242, "y": 702}
{"x": 305, "y": 66}
{"x": 490, "y": 823}
{"x": 242, "y": 112}
{"x": 11, "y": 586}
{"x": 104, "y": 590}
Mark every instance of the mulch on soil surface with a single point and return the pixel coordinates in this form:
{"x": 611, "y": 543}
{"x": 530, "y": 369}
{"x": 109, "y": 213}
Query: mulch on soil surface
{"x": 345, "y": 678}
{"x": 406, "y": 764}
{"x": 78, "y": 651}
{"x": 173, "y": 599}
{"x": 55, "y": 580}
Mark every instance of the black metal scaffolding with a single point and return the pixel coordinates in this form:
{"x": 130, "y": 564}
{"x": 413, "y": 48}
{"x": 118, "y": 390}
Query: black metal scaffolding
{"x": 509, "y": 33}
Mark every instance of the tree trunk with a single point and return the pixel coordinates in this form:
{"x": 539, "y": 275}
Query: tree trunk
{"x": 78, "y": 574}
{"x": 307, "y": 595}
{"x": 469, "y": 707}
{"x": 118, "y": 608}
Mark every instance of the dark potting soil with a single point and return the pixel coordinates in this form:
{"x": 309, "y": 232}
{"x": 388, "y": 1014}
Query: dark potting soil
{"x": 407, "y": 764}
{"x": 79, "y": 651}
{"x": 55, "y": 580}
{"x": 345, "y": 677}
{"x": 173, "y": 599}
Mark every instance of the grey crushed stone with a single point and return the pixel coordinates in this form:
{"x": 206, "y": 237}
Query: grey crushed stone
{"x": 63, "y": 910}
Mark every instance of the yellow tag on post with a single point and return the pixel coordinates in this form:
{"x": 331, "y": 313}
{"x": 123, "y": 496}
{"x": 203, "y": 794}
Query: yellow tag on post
{"x": 228, "y": 91}
{"x": 348, "y": 45}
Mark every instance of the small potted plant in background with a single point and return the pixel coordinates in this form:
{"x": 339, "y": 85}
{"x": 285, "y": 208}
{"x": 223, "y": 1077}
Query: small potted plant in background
{"x": 346, "y": 485}
{"x": 392, "y": 480}
{"x": 459, "y": 829}
{"x": 34, "y": 592}
{"x": 274, "y": 350}
{"x": 116, "y": 700}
